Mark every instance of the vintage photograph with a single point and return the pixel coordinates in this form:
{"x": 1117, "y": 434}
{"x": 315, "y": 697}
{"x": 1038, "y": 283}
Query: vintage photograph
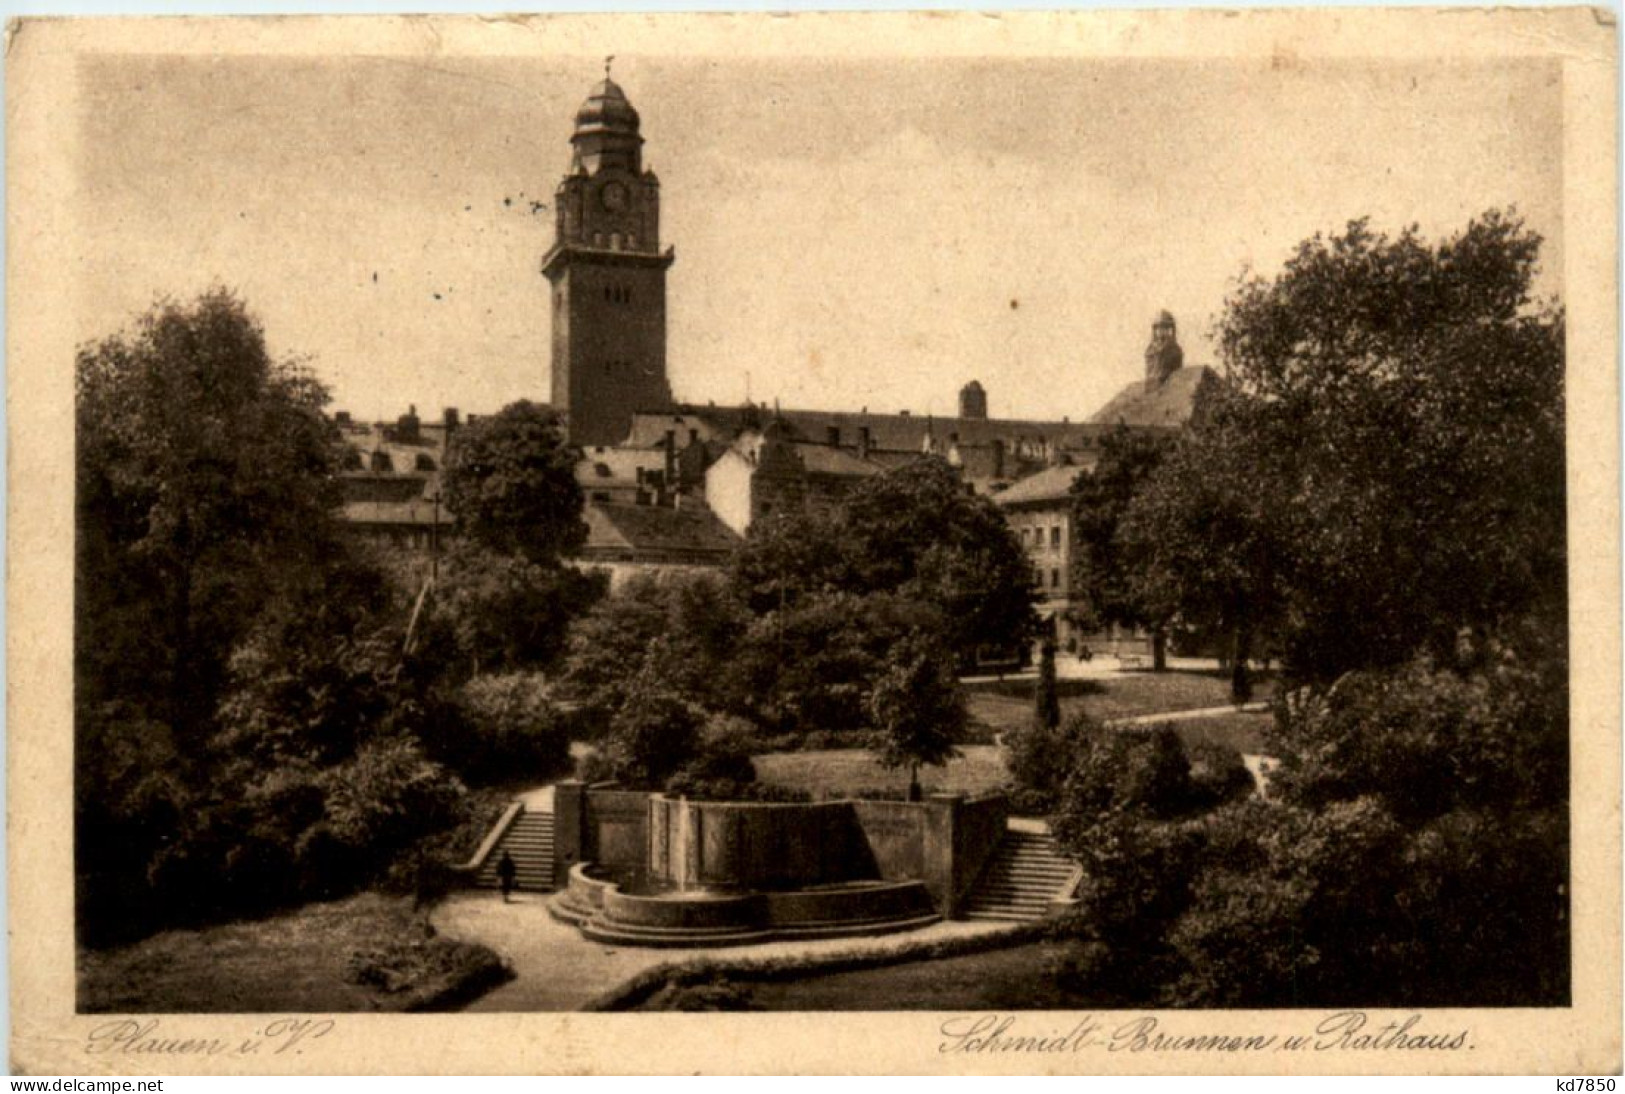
{"x": 591, "y": 527}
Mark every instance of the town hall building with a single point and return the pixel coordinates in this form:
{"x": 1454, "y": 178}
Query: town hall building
{"x": 669, "y": 483}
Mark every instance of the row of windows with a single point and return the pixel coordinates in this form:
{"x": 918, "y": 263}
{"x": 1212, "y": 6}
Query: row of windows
{"x": 615, "y": 240}
{"x": 617, "y": 294}
{"x": 1054, "y": 577}
{"x": 1034, "y": 537}
{"x": 380, "y": 462}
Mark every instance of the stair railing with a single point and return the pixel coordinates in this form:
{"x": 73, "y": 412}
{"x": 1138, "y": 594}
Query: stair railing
{"x": 494, "y": 837}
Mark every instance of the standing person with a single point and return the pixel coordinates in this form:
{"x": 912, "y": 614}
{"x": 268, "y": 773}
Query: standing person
{"x": 507, "y": 874}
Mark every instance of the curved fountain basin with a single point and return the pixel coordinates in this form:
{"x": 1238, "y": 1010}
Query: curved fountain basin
{"x": 605, "y": 911}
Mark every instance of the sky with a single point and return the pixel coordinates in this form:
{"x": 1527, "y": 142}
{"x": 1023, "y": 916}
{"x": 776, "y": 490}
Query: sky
{"x": 849, "y": 233}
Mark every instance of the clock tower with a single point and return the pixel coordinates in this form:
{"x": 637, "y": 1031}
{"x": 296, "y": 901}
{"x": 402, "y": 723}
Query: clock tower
{"x": 607, "y": 277}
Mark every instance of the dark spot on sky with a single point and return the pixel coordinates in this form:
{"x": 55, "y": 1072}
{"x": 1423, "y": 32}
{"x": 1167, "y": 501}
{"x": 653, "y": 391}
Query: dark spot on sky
{"x": 1014, "y": 304}
{"x": 468, "y": 208}
{"x": 375, "y": 277}
{"x": 538, "y": 207}
{"x": 437, "y": 296}
{"x": 507, "y": 201}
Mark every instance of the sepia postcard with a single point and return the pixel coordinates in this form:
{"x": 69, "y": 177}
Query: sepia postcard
{"x": 902, "y": 543}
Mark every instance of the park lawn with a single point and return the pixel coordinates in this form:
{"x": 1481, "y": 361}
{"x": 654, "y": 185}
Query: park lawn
{"x": 1008, "y": 704}
{"x": 835, "y": 772}
{"x": 979, "y": 768}
{"x": 295, "y": 962}
{"x": 1017, "y": 978}
{"x": 1240, "y": 730}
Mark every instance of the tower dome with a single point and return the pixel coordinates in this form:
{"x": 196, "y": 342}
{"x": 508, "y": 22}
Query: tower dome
{"x": 606, "y": 108}
{"x": 606, "y": 132}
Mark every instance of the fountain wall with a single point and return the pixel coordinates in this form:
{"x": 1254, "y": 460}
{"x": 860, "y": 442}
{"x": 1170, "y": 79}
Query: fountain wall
{"x": 943, "y": 842}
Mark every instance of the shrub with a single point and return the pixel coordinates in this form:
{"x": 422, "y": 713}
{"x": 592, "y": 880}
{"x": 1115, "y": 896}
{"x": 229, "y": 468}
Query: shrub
{"x": 725, "y": 746}
{"x": 652, "y": 736}
{"x": 866, "y": 793}
{"x": 827, "y": 740}
{"x": 433, "y": 972}
{"x": 511, "y": 729}
{"x": 1040, "y": 756}
{"x": 388, "y": 796}
{"x": 1031, "y": 803}
{"x": 1427, "y": 738}
{"x": 1218, "y": 775}
{"x": 710, "y": 992}
{"x": 699, "y": 788}
{"x": 978, "y": 732}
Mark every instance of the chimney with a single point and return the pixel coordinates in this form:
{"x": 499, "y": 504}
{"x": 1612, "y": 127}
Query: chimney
{"x": 406, "y": 427}
{"x": 863, "y": 441}
{"x": 832, "y": 434}
{"x": 450, "y": 418}
{"x": 342, "y": 418}
{"x": 973, "y": 401}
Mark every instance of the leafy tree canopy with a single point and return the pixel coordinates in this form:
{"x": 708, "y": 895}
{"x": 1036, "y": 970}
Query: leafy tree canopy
{"x": 510, "y": 480}
{"x": 915, "y": 531}
{"x": 1102, "y": 573}
{"x": 504, "y": 613}
{"x": 205, "y": 475}
{"x": 1386, "y": 465}
{"x": 916, "y": 706}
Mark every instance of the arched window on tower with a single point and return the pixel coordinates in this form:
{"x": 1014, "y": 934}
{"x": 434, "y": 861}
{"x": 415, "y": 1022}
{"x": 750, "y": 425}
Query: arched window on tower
{"x": 425, "y": 462}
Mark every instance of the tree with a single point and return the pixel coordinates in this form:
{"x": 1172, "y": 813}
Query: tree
{"x": 1383, "y": 481}
{"x": 510, "y": 479}
{"x": 811, "y": 667}
{"x": 205, "y": 475}
{"x": 1203, "y": 541}
{"x": 916, "y": 707}
{"x": 915, "y": 531}
{"x": 1046, "y": 704}
{"x": 248, "y": 729}
{"x": 681, "y": 630}
{"x": 1103, "y": 571}
{"x": 653, "y": 735}
{"x": 506, "y": 613}
{"x": 1401, "y": 405}
{"x": 790, "y": 556}
{"x": 511, "y": 728}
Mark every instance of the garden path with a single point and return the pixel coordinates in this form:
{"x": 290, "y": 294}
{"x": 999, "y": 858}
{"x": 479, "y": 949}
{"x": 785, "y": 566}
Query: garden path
{"x": 557, "y": 969}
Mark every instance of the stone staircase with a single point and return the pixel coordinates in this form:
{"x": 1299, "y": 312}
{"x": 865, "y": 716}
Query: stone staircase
{"x": 529, "y": 839}
{"x": 1027, "y": 872}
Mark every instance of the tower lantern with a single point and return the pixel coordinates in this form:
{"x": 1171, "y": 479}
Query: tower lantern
{"x": 1163, "y": 357}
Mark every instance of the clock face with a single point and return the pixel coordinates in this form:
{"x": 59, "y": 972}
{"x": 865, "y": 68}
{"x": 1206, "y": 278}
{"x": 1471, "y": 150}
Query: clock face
{"x": 613, "y": 195}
